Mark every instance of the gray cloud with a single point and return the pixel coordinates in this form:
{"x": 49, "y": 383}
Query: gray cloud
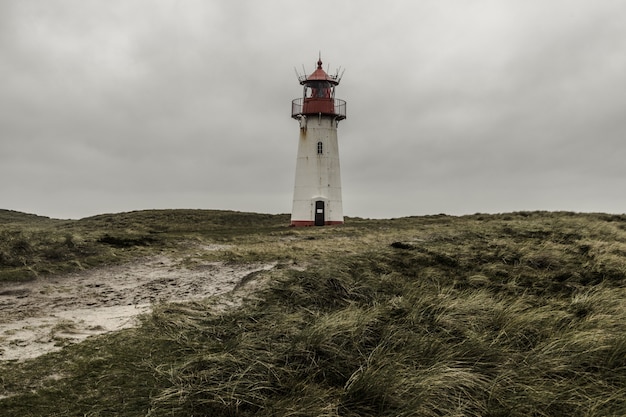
{"x": 453, "y": 107}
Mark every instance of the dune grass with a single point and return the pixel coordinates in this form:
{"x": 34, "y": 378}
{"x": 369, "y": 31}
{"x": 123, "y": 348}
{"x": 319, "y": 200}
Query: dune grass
{"x": 519, "y": 314}
{"x": 33, "y": 246}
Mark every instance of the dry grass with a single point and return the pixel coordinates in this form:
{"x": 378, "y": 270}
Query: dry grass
{"x": 519, "y": 314}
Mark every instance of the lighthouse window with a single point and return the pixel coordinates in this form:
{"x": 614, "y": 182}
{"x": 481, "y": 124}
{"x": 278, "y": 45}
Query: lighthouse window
{"x": 319, "y": 89}
{"x": 320, "y": 148}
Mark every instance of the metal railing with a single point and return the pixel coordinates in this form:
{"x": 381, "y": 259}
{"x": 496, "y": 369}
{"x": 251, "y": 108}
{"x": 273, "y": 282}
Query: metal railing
{"x": 335, "y": 107}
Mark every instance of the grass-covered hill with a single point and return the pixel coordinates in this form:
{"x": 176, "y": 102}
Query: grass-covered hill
{"x": 520, "y": 314}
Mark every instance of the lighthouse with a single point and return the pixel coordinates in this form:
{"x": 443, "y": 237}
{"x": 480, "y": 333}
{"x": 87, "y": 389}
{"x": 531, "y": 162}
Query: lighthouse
{"x": 317, "y": 190}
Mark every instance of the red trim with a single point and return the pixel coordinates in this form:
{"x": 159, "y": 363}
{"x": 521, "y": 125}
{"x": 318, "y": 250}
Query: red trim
{"x": 303, "y": 223}
{"x": 315, "y": 105}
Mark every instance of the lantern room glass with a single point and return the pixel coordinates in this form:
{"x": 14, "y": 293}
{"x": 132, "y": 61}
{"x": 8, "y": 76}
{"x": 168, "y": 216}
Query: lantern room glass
{"x": 318, "y": 89}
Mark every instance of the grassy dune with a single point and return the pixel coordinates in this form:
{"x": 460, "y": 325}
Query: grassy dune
{"x": 520, "y": 314}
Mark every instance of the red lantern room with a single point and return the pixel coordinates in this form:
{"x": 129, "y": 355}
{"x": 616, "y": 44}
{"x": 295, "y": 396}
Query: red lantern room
{"x": 319, "y": 95}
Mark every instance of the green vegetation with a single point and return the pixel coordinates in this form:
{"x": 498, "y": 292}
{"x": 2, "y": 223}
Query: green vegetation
{"x": 32, "y": 246}
{"x": 519, "y": 314}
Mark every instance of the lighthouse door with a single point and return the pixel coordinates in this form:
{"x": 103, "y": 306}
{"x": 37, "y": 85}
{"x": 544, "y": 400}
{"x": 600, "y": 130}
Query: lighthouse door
{"x": 319, "y": 213}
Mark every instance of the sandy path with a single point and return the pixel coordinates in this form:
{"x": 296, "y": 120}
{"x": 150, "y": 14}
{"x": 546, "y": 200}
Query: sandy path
{"x": 44, "y": 315}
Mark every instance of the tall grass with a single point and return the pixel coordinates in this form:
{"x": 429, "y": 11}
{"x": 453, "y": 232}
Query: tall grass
{"x": 519, "y": 314}
{"x": 33, "y": 246}
{"x": 432, "y": 351}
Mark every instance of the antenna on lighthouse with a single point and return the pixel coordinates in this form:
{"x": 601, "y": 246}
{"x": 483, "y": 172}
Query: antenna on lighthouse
{"x": 340, "y": 75}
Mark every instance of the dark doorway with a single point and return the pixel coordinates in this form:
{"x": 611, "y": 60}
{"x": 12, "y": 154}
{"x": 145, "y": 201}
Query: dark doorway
{"x": 319, "y": 213}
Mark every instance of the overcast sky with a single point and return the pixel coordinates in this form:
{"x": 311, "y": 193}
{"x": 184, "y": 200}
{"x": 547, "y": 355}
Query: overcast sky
{"x": 454, "y": 106}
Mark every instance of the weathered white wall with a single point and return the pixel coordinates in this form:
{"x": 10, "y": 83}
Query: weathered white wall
{"x": 317, "y": 176}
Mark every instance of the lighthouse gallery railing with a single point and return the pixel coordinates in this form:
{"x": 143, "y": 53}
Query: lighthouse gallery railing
{"x": 298, "y": 107}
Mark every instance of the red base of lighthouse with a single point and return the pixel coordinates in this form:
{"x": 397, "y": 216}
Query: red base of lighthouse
{"x": 301, "y": 223}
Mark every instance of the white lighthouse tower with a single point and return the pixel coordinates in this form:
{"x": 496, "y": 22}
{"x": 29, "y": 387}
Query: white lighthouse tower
{"x": 317, "y": 190}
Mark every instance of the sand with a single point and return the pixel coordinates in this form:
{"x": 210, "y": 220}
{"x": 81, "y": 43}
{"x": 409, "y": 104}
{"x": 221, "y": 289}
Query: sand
{"x": 46, "y": 314}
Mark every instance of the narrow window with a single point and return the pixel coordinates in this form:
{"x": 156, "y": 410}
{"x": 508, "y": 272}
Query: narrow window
{"x": 320, "y": 148}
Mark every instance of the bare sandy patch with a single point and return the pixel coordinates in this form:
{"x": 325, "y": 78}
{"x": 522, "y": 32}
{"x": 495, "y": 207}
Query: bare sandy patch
{"x": 46, "y": 314}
